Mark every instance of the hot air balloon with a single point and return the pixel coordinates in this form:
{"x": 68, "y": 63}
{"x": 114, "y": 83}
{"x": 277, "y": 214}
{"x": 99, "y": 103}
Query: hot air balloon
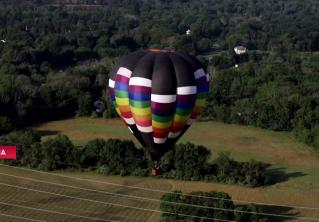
{"x": 158, "y": 94}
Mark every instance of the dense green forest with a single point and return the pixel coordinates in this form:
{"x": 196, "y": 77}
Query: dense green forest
{"x": 55, "y": 57}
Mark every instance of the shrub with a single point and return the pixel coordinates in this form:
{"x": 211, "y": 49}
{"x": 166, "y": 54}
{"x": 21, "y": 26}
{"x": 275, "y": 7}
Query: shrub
{"x": 177, "y": 203}
{"x": 187, "y": 160}
{"x": 104, "y": 170}
{"x": 120, "y": 157}
{"x": 90, "y": 155}
{"x": 242, "y": 213}
{"x": 251, "y": 173}
{"x": 59, "y": 153}
{"x": 84, "y": 105}
{"x": 212, "y": 200}
{"x": 139, "y": 172}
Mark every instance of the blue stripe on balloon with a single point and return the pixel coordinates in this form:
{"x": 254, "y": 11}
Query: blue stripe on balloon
{"x": 163, "y": 112}
{"x": 121, "y": 86}
{"x": 140, "y": 96}
{"x": 185, "y": 105}
{"x": 202, "y": 88}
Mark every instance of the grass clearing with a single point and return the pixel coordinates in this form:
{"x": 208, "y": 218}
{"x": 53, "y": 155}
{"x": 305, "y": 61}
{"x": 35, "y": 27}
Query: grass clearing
{"x": 294, "y": 164}
{"x": 61, "y": 194}
{"x": 244, "y": 142}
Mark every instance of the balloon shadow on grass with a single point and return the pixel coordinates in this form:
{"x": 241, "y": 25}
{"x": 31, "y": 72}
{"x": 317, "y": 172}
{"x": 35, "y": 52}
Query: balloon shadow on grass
{"x": 279, "y": 175}
{"x": 280, "y": 214}
{"x": 48, "y": 132}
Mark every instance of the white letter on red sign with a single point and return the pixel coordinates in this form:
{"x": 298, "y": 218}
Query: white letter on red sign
{"x": 3, "y": 153}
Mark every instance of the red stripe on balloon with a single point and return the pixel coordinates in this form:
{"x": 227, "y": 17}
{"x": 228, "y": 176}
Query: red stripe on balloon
{"x": 163, "y": 109}
{"x": 144, "y": 123}
{"x": 186, "y": 98}
{"x": 126, "y": 114}
{"x": 140, "y": 89}
{"x": 122, "y": 79}
{"x": 160, "y": 134}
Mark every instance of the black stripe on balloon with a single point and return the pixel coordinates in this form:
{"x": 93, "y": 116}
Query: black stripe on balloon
{"x": 137, "y": 134}
{"x": 163, "y": 78}
{"x": 183, "y": 71}
{"x": 144, "y": 67}
{"x": 127, "y": 61}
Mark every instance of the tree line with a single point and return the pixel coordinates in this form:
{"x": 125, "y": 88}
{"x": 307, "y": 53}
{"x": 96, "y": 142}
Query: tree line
{"x": 121, "y": 157}
{"x": 190, "y": 162}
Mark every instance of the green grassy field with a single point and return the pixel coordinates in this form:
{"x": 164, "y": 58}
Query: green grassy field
{"x": 294, "y": 165}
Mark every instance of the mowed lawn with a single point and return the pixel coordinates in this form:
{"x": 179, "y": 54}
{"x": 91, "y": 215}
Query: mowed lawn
{"x": 295, "y": 165}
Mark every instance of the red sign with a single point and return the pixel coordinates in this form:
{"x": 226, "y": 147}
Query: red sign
{"x": 8, "y": 152}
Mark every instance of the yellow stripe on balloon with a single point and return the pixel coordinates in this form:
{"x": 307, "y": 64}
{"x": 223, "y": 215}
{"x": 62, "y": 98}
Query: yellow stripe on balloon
{"x": 181, "y": 118}
{"x": 122, "y": 101}
{"x": 161, "y": 125}
{"x": 200, "y": 102}
{"x": 141, "y": 111}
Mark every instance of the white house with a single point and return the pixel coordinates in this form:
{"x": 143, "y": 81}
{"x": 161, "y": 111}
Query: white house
{"x": 188, "y": 32}
{"x": 240, "y": 50}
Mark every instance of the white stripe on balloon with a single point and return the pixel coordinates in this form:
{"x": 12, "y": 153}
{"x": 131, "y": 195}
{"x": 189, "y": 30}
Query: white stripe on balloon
{"x": 163, "y": 98}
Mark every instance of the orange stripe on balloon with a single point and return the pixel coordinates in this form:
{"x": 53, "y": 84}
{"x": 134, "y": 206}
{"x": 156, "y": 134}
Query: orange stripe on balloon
{"x": 160, "y": 129}
{"x": 125, "y": 108}
{"x": 142, "y": 118}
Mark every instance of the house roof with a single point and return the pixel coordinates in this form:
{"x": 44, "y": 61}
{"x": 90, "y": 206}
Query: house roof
{"x": 240, "y": 48}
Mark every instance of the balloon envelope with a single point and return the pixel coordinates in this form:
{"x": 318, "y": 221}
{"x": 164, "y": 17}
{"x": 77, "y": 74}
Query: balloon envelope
{"x": 158, "y": 94}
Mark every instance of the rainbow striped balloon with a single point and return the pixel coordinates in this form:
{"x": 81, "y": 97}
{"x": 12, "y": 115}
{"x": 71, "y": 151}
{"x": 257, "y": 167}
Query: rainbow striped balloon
{"x": 158, "y": 94}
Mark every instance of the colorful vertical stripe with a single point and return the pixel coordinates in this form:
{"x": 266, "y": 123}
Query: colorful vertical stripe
{"x": 140, "y": 103}
{"x": 185, "y": 102}
{"x": 122, "y": 79}
{"x": 163, "y": 108}
{"x": 202, "y": 90}
{"x": 112, "y": 94}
